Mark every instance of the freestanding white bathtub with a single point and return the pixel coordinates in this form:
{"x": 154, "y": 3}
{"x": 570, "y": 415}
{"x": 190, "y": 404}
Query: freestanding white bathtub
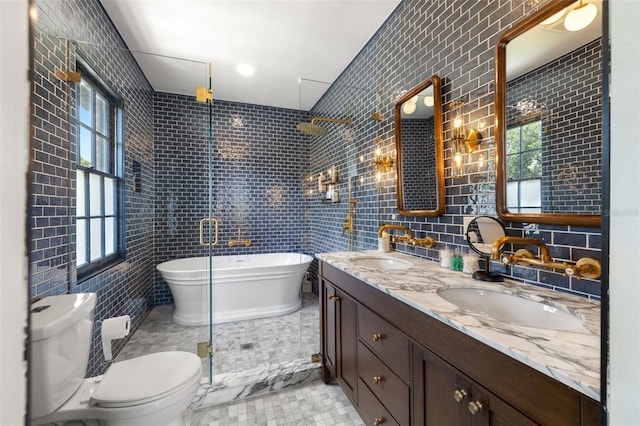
{"x": 244, "y": 286}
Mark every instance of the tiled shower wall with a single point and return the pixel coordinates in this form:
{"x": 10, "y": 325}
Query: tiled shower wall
{"x": 259, "y": 164}
{"x": 455, "y": 40}
{"x": 84, "y": 28}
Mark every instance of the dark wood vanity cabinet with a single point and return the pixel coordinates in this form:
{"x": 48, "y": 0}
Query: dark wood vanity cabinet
{"x": 399, "y": 366}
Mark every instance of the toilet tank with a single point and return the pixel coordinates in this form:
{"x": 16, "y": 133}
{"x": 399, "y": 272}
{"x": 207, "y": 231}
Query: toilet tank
{"x": 61, "y": 331}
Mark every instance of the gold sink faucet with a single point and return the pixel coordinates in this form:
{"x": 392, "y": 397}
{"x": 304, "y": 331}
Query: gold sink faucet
{"x": 497, "y": 246}
{"x": 408, "y": 237}
{"x": 585, "y": 267}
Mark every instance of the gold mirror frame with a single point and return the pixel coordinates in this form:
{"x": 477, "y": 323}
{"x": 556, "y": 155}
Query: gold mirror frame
{"x": 500, "y": 129}
{"x": 439, "y": 153}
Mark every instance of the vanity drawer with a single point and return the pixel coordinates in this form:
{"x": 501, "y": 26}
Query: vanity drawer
{"x": 386, "y": 341}
{"x": 386, "y": 386}
{"x": 371, "y": 410}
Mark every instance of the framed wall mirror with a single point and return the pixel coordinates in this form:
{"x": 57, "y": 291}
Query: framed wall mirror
{"x": 548, "y": 110}
{"x": 419, "y": 150}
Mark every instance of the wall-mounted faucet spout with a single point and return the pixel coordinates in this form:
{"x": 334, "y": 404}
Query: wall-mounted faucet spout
{"x": 497, "y": 246}
{"x": 584, "y": 268}
{"x": 408, "y": 237}
{"x": 239, "y": 241}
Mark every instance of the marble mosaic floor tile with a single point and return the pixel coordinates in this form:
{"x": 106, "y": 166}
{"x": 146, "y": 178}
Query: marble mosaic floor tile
{"x": 314, "y": 404}
{"x": 237, "y": 345}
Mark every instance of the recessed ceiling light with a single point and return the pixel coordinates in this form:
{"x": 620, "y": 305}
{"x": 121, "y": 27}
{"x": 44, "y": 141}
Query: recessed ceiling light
{"x": 245, "y": 70}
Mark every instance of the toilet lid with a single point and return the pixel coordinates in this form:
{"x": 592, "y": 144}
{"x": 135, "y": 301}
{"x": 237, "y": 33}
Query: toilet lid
{"x": 145, "y": 378}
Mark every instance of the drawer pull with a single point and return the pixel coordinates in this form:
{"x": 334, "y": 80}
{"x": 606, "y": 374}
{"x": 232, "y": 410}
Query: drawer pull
{"x": 377, "y": 337}
{"x": 378, "y": 421}
{"x": 377, "y": 379}
{"x": 334, "y": 298}
{"x": 459, "y": 395}
{"x": 475, "y": 407}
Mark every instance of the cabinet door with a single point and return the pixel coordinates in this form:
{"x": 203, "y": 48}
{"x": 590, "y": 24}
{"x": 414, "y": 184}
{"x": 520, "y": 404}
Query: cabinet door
{"x": 347, "y": 345}
{"x": 486, "y": 409}
{"x": 434, "y": 386}
{"x": 340, "y": 350}
{"x": 330, "y": 331}
{"x": 444, "y": 396}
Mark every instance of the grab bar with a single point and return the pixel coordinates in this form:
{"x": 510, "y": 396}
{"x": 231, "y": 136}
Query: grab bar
{"x": 202, "y": 222}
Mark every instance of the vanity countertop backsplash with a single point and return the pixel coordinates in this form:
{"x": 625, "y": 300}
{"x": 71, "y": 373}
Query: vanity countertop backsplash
{"x": 569, "y": 356}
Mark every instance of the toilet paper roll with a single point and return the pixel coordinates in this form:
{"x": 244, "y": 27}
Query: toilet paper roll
{"x": 114, "y": 328}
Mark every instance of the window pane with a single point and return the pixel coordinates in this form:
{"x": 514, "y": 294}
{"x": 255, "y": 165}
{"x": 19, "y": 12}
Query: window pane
{"x": 531, "y": 210}
{"x": 532, "y": 164}
{"x": 530, "y": 193}
{"x": 109, "y": 236}
{"x": 102, "y": 115}
{"x": 96, "y": 239}
{"x": 86, "y": 141}
{"x": 102, "y": 155}
{"x": 512, "y": 196}
{"x": 531, "y": 138}
{"x": 80, "y": 200}
{"x": 513, "y": 140}
{"x": 84, "y": 110}
{"x": 95, "y": 195}
{"x": 109, "y": 196}
{"x": 81, "y": 242}
{"x": 513, "y": 166}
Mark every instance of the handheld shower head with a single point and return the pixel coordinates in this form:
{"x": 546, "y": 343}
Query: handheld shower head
{"x": 315, "y": 130}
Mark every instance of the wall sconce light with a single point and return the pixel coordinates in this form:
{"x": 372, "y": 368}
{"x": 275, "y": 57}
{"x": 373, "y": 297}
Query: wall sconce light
{"x": 578, "y": 18}
{"x": 384, "y": 163}
{"x": 463, "y": 141}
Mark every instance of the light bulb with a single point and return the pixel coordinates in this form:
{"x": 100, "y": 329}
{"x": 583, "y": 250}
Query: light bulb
{"x": 408, "y": 108}
{"x": 581, "y": 16}
{"x": 378, "y": 176}
{"x": 458, "y": 158}
{"x": 413, "y": 100}
{"x": 428, "y": 101}
{"x": 378, "y": 152}
{"x": 361, "y": 158}
{"x": 457, "y": 122}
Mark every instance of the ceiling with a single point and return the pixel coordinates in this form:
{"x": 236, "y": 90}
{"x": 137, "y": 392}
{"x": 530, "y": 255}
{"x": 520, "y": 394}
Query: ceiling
{"x": 283, "y": 40}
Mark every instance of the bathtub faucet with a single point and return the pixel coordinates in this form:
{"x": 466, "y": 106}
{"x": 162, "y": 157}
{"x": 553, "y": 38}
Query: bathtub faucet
{"x": 239, "y": 241}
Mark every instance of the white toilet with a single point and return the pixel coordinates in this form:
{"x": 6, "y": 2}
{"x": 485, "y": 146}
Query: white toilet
{"x": 151, "y": 390}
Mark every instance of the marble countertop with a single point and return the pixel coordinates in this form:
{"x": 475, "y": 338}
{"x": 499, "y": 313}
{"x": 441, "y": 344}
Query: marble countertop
{"x": 569, "y": 356}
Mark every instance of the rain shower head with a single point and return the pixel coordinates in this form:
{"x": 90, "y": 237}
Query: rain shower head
{"x": 315, "y": 130}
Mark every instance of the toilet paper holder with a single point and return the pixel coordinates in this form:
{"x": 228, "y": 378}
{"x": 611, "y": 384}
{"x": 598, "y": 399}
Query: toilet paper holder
{"x": 113, "y": 329}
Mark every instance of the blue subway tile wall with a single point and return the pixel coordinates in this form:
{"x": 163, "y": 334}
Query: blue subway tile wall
{"x": 418, "y": 164}
{"x": 454, "y": 40}
{"x": 259, "y": 163}
{"x": 66, "y": 30}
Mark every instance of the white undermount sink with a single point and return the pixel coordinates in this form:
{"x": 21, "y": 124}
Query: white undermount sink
{"x": 380, "y": 262}
{"x": 512, "y": 308}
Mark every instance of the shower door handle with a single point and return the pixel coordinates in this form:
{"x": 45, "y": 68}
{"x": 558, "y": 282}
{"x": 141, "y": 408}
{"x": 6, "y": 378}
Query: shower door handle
{"x": 202, "y": 222}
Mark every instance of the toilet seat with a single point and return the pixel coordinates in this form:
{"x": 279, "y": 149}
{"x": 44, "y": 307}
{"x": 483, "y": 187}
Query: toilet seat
{"x": 156, "y": 376}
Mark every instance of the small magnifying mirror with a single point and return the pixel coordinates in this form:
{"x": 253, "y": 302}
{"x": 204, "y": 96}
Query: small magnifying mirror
{"x": 481, "y": 234}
